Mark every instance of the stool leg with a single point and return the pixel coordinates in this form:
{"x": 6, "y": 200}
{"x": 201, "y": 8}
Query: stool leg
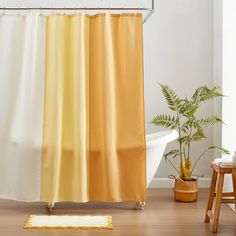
{"x": 234, "y": 185}
{"x": 218, "y": 203}
{"x": 211, "y": 195}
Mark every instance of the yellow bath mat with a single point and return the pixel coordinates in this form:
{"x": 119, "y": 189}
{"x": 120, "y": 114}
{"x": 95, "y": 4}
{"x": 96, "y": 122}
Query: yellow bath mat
{"x": 68, "y": 222}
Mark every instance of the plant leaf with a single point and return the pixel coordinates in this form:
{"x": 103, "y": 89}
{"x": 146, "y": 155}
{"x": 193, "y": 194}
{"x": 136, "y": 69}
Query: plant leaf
{"x": 166, "y": 121}
{"x": 186, "y": 126}
{"x": 198, "y": 136}
{"x": 171, "y": 97}
{"x": 197, "y": 125}
{"x": 210, "y": 121}
{"x": 173, "y": 153}
{"x": 203, "y": 94}
{"x": 184, "y": 139}
{"x": 220, "y": 150}
{"x": 188, "y": 108}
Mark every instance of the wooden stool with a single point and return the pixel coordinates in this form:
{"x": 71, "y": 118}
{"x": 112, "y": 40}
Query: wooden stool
{"x": 219, "y": 171}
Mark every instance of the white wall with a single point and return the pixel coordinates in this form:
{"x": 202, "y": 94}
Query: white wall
{"x": 178, "y": 52}
{"x": 229, "y": 80}
{"x": 217, "y": 64}
{"x": 224, "y": 74}
{"x": 229, "y": 74}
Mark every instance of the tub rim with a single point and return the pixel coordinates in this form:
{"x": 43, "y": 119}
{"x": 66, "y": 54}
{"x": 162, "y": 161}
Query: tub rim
{"x": 161, "y": 137}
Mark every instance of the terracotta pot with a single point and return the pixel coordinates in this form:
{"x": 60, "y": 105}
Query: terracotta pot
{"x": 186, "y": 191}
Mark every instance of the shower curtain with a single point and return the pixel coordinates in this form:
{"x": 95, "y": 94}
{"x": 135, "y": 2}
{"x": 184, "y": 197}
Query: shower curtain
{"x": 72, "y": 112}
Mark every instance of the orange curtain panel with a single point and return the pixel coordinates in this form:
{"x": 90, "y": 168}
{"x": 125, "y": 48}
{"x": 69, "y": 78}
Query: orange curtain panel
{"x": 93, "y": 134}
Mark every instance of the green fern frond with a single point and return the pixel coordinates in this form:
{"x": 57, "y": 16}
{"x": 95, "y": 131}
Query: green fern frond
{"x": 173, "y": 153}
{"x": 203, "y": 94}
{"x": 220, "y": 150}
{"x": 198, "y": 126}
{"x": 188, "y": 109}
{"x": 166, "y": 121}
{"x": 210, "y": 121}
{"x": 171, "y": 97}
{"x": 186, "y": 126}
{"x": 197, "y": 136}
{"x": 184, "y": 139}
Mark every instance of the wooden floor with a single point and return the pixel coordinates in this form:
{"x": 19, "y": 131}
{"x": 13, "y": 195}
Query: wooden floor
{"x": 162, "y": 216}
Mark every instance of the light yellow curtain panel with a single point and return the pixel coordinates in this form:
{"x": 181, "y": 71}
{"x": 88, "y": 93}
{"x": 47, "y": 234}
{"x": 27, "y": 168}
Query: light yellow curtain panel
{"x": 94, "y": 136}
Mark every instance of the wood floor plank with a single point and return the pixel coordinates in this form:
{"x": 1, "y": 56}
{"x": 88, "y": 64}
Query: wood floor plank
{"x": 161, "y": 216}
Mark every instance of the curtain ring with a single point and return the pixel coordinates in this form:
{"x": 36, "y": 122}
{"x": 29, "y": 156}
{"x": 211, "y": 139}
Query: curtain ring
{"x": 74, "y": 10}
{"x": 85, "y": 10}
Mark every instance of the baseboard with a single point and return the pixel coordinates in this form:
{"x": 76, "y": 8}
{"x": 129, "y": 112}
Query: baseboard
{"x": 168, "y": 183}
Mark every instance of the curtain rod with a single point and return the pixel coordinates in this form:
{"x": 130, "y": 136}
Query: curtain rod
{"x": 151, "y": 10}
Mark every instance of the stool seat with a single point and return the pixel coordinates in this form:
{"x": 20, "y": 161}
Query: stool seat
{"x": 218, "y": 173}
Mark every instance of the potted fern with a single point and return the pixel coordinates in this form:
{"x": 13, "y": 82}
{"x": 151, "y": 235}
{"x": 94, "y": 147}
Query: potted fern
{"x": 191, "y": 129}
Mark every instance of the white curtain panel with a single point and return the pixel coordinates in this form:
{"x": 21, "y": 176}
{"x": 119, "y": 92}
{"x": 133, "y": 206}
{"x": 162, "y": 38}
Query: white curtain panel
{"x": 22, "y": 68}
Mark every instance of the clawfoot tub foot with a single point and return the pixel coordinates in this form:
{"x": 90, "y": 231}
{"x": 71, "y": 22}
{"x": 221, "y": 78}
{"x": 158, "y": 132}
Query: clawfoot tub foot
{"x": 141, "y": 205}
{"x": 50, "y": 206}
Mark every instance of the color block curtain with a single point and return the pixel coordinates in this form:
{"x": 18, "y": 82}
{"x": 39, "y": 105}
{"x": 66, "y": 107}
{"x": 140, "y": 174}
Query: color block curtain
{"x": 72, "y": 112}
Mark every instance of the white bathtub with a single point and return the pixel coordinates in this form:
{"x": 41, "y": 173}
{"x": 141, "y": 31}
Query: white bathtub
{"x": 155, "y": 147}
